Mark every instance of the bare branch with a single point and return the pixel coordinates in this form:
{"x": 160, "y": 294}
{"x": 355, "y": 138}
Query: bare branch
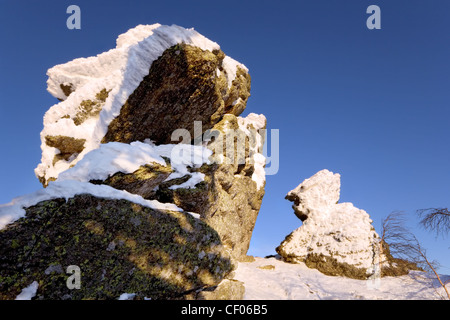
{"x": 405, "y": 246}
{"x": 435, "y": 219}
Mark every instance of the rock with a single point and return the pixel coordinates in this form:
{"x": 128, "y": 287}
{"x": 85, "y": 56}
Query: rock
{"x": 140, "y": 215}
{"x": 167, "y": 255}
{"x": 267, "y": 267}
{"x": 184, "y": 85}
{"x": 230, "y": 196}
{"x": 317, "y": 193}
{"x": 143, "y": 181}
{"x": 336, "y": 239}
{"x": 157, "y": 79}
{"x": 228, "y": 289}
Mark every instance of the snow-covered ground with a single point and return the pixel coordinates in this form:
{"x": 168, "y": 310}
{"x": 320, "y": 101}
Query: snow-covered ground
{"x": 286, "y": 281}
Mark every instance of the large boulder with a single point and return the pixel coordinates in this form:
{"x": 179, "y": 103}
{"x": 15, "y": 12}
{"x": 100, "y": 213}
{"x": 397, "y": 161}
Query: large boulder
{"x": 118, "y": 245}
{"x": 335, "y": 238}
{"x": 157, "y": 79}
{"x": 184, "y": 85}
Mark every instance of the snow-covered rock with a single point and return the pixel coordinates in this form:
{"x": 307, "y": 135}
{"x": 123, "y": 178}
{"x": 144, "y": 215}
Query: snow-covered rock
{"x": 336, "y": 238}
{"x": 316, "y": 194}
{"x": 157, "y": 79}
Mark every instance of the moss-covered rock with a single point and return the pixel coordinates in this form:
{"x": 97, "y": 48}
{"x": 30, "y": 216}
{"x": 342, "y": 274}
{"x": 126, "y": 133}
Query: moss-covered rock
{"x": 120, "y": 247}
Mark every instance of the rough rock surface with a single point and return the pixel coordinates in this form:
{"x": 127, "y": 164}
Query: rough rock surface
{"x": 184, "y": 85}
{"x": 228, "y": 289}
{"x": 143, "y": 181}
{"x": 157, "y": 79}
{"x": 120, "y": 247}
{"x": 335, "y": 238}
{"x": 317, "y": 193}
{"x": 229, "y": 197}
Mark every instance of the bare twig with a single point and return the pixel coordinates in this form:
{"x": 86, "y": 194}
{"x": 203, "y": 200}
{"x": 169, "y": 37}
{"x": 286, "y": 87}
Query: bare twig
{"x": 404, "y": 245}
{"x": 432, "y": 268}
{"x": 435, "y": 219}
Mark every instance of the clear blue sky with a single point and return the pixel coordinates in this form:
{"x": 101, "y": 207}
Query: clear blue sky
{"x": 372, "y": 105}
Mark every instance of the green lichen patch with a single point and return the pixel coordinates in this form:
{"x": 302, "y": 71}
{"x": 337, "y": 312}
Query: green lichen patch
{"x": 118, "y": 246}
{"x": 90, "y": 108}
{"x": 67, "y": 146}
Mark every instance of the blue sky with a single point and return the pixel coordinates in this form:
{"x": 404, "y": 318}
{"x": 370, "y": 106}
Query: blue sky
{"x": 372, "y": 105}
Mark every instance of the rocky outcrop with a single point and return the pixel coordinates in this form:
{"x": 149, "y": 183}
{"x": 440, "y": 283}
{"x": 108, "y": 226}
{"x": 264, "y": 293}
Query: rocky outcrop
{"x": 142, "y": 214}
{"x": 335, "y": 238}
{"x": 119, "y": 246}
{"x": 157, "y": 79}
{"x": 316, "y": 194}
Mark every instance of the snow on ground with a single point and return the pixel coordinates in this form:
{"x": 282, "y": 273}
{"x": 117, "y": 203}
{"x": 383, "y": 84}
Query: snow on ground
{"x": 127, "y": 296}
{"x": 298, "y": 282}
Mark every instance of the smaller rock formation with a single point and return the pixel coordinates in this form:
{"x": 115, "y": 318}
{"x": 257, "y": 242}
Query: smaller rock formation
{"x": 335, "y": 238}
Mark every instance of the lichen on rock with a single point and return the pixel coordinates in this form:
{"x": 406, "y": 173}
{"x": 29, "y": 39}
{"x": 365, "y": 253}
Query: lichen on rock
{"x": 90, "y": 108}
{"x": 119, "y": 247}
